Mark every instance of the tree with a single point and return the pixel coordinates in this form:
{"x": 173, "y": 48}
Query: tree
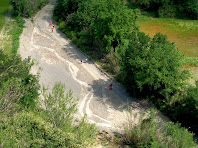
{"x": 154, "y": 67}
{"x": 110, "y": 20}
{"x": 100, "y": 23}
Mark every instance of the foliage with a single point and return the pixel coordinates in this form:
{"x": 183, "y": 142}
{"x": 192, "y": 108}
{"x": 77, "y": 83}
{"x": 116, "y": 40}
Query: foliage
{"x": 16, "y": 84}
{"x": 186, "y": 107}
{"x": 29, "y": 130}
{"x": 191, "y": 61}
{"x": 153, "y": 67}
{"x": 150, "y": 134}
{"x": 60, "y": 109}
{"x": 102, "y": 23}
{"x": 16, "y": 32}
{"x": 168, "y": 8}
{"x": 26, "y": 8}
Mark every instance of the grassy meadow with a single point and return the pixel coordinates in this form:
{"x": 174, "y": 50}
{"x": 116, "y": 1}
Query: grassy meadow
{"x": 4, "y": 7}
{"x": 184, "y": 33}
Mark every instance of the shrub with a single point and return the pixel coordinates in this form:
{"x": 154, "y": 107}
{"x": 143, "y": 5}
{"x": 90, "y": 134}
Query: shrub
{"x": 149, "y": 133}
{"x": 62, "y": 25}
{"x": 60, "y": 108}
{"x": 16, "y": 84}
{"x": 29, "y": 130}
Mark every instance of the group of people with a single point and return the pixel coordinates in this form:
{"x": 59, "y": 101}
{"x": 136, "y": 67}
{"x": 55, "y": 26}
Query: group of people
{"x": 51, "y": 25}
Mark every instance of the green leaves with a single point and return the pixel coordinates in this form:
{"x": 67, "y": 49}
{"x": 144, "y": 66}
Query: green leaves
{"x": 60, "y": 107}
{"x": 152, "y": 65}
{"x": 16, "y": 84}
{"x": 107, "y": 22}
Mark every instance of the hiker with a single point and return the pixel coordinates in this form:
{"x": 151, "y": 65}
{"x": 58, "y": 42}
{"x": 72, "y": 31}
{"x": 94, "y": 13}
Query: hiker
{"x": 50, "y": 23}
{"x": 85, "y": 60}
{"x": 52, "y": 29}
{"x": 81, "y": 60}
{"x": 110, "y": 86}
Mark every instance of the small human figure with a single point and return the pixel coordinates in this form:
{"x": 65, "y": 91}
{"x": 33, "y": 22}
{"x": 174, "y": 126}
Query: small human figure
{"x": 50, "y": 23}
{"x": 53, "y": 25}
{"x": 110, "y": 86}
{"x": 85, "y": 60}
{"x": 52, "y": 29}
{"x": 81, "y": 60}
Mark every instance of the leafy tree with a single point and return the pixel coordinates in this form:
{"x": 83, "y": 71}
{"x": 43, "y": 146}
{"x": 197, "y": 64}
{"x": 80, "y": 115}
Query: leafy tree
{"x": 64, "y": 8}
{"x": 105, "y": 23}
{"x": 152, "y": 66}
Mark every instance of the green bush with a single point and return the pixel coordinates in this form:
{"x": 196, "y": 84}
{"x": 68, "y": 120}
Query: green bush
{"x": 29, "y": 130}
{"x": 150, "y": 134}
{"x": 60, "y": 110}
{"x": 62, "y": 25}
{"x": 20, "y": 86}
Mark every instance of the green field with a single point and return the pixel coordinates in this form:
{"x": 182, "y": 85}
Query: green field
{"x": 4, "y": 7}
{"x": 184, "y": 33}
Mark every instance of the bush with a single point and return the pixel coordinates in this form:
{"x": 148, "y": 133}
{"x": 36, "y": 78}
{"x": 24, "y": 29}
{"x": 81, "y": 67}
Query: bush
{"x": 149, "y": 133}
{"x": 17, "y": 85}
{"x": 60, "y": 108}
{"x": 28, "y": 130}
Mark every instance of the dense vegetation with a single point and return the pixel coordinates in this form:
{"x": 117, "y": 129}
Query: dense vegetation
{"x": 27, "y": 8}
{"x": 149, "y": 67}
{"x": 147, "y": 132}
{"x": 170, "y": 8}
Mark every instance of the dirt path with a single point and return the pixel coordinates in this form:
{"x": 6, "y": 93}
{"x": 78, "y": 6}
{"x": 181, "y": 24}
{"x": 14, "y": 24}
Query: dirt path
{"x": 60, "y": 61}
